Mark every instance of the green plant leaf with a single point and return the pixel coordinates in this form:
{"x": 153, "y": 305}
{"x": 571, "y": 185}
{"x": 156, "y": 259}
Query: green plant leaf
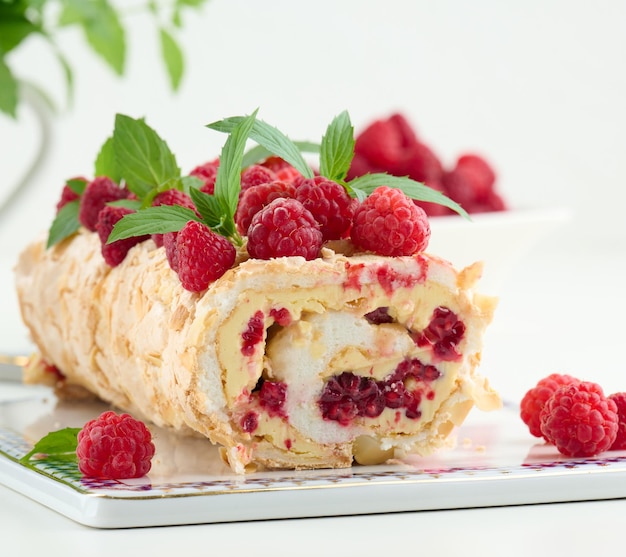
{"x": 59, "y": 444}
{"x": 133, "y": 204}
{"x": 8, "y": 90}
{"x": 415, "y": 190}
{"x": 173, "y": 58}
{"x": 152, "y": 220}
{"x": 65, "y": 223}
{"x": 143, "y": 159}
{"x": 228, "y": 179}
{"x": 272, "y": 139}
{"x": 337, "y": 148}
{"x": 15, "y": 26}
{"x": 101, "y": 25}
{"x": 106, "y": 164}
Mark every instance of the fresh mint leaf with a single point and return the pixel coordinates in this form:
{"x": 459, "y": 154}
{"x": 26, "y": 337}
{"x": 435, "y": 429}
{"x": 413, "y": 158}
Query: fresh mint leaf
{"x": 143, "y": 159}
{"x": 259, "y": 153}
{"x": 228, "y": 179}
{"x": 101, "y": 25}
{"x": 64, "y": 224}
{"x": 152, "y": 220}
{"x": 57, "y": 445}
{"x": 14, "y": 26}
{"x": 8, "y": 90}
{"x": 173, "y": 58}
{"x": 337, "y": 148}
{"x": 415, "y": 190}
{"x": 106, "y": 165}
{"x": 213, "y": 215}
{"x": 272, "y": 139}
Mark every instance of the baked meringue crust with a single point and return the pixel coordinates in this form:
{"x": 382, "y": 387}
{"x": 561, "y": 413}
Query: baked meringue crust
{"x": 133, "y": 337}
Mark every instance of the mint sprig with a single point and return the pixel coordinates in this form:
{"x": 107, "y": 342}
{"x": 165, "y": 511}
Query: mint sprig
{"x": 275, "y": 141}
{"x": 58, "y": 446}
{"x": 217, "y": 211}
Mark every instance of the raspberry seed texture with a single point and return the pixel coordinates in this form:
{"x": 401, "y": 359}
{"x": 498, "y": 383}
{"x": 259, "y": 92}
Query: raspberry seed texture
{"x": 114, "y": 447}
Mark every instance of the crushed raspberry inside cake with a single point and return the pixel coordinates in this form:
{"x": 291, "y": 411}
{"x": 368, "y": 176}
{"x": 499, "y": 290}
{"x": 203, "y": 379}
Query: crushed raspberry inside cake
{"x": 281, "y": 316}
{"x": 347, "y": 396}
{"x": 272, "y": 397}
{"x": 444, "y": 333}
{"x": 378, "y": 316}
{"x": 253, "y": 334}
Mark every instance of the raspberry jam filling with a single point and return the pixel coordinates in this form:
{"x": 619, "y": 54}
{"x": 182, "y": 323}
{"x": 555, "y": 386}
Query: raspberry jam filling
{"x": 444, "y": 333}
{"x": 347, "y": 396}
{"x": 253, "y": 333}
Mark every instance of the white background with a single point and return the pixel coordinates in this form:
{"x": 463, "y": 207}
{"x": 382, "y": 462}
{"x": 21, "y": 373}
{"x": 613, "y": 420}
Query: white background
{"x": 537, "y": 87}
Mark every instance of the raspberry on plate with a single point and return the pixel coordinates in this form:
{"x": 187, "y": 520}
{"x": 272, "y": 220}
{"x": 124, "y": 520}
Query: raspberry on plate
{"x": 202, "y": 256}
{"x": 620, "y": 441}
{"x": 580, "y": 420}
{"x": 97, "y": 194}
{"x": 330, "y": 205}
{"x": 389, "y": 223}
{"x": 114, "y": 447}
{"x": 284, "y": 228}
{"x": 115, "y": 252}
{"x": 534, "y": 400}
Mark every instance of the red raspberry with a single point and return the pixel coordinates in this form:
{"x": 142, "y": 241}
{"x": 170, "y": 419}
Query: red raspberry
{"x": 620, "y": 441}
{"x": 114, "y": 447}
{"x": 389, "y": 223}
{"x": 203, "y": 256}
{"x": 97, "y": 194}
{"x": 420, "y": 163}
{"x": 255, "y": 198}
{"x": 471, "y": 184}
{"x": 68, "y": 194}
{"x": 380, "y": 143}
{"x": 534, "y": 400}
{"x": 115, "y": 252}
{"x": 282, "y": 170}
{"x": 330, "y": 205}
{"x": 284, "y": 228}
{"x": 171, "y": 197}
{"x": 255, "y": 175}
{"x": 580, "y": 420}
{"x": 207, "y": 172}
{"x": 171, "y": 251}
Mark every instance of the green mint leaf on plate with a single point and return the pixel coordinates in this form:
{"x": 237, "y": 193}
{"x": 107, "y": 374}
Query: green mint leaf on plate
{"x": 276, "y": 142}
{"x": 133, "y": 204}
{"x": 57, "y": 445}
{"x": 173, "y": 58}
{"x": 415, "y": 190}
{"x": 65, "y": 223}
{"x": 105, "y": 164}
{"x": 143, "y": 159}
{"x": 152, "y": 220}
{"x": 8, "y": 90}
{"x": 337, "y": 148}
{"x": 213, "y": 215}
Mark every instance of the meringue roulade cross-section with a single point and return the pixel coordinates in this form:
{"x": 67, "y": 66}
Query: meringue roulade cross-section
{"x": 285, "y": 363}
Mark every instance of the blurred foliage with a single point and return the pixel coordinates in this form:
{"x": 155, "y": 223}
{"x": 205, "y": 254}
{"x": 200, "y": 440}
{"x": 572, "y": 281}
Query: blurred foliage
{"x": 102, "y": 25}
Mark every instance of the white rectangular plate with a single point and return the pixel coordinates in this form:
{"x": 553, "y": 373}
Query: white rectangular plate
{"x": 495, "y": 462}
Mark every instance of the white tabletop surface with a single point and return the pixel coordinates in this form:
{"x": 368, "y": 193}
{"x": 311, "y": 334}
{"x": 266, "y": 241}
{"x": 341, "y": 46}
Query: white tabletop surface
{"x": 560, "y": 310}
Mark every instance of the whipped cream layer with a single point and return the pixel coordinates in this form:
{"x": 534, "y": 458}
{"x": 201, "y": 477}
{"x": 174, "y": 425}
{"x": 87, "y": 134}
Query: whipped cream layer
{"x": 285, "y": 363}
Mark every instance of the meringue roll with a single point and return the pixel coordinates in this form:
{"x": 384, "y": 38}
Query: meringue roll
{"x": 284, "y": 363}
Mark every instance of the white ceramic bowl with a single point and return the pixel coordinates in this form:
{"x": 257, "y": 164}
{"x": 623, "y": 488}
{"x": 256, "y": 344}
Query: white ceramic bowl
{"x": 499, "y": 239}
